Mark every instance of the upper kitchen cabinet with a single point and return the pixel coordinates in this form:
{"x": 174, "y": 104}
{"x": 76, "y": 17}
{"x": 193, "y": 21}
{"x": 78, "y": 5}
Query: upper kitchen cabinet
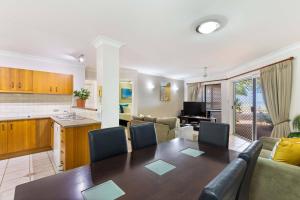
{"x": 16, "y": 80}
{"x": 52, "y": 83}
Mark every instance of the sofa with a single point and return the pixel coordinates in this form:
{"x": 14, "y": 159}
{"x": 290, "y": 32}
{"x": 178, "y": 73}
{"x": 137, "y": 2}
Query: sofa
{"x": 274, "y": 180}
{"x": 164, "y": 127}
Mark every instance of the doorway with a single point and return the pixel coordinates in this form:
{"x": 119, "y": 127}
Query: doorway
{"x": 251, "y": 118}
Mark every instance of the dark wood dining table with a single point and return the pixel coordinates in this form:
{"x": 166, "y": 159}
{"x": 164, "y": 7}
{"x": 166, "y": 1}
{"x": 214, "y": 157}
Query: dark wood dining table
{"x": 184, "y": 182}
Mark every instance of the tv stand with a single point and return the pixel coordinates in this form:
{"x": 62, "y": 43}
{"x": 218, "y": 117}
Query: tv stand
{"x": 194, "y": 120}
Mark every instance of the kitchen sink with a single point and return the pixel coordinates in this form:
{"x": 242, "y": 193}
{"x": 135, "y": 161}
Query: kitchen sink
{"x": 70, "y": 117}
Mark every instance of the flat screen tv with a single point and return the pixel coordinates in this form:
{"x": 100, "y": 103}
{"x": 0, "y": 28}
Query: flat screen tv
{"x": 194, "y": 108}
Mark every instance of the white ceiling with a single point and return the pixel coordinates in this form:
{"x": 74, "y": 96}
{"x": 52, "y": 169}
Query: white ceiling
{"x": 159, "y": 34}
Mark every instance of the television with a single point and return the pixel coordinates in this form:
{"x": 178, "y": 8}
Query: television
{"x": 126, "y": 93}
{"x": 194, "y": 108}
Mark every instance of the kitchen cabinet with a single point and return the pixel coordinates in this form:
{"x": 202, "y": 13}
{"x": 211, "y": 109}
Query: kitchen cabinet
{"x": 5, "y": 79}
{"x": 74, "y": 146}
{"x": 13, "y": 80}
{"x": 52, "y": 83}
{"x": 43, "y": 133}
{"x": 16, "y": 136}
{"x": 16, "y": 80}
{"x": 21, "y": 137}
{"x": 3, "y": 138}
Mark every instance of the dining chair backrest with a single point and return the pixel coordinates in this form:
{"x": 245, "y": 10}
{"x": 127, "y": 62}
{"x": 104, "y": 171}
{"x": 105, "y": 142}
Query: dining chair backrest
{"x": 143, "y": 135}
{"x": 214, "y": 133}
{"x": 250, "y": 155}
{"x": 225, "y": 185}
{"x": 108, "y": 142}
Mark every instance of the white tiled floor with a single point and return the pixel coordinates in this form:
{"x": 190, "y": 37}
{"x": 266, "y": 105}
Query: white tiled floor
{"x": 19, "y": 170}
{"x": 16, "y": 171}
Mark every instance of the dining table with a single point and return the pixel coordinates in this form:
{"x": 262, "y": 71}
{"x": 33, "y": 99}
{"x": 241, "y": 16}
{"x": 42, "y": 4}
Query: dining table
{"x": 186, "y": 181}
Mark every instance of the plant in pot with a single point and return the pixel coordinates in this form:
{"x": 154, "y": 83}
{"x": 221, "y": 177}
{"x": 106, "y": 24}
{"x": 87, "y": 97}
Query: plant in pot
{"x": 82, "y": 95}
{"x": 296, "y": 127}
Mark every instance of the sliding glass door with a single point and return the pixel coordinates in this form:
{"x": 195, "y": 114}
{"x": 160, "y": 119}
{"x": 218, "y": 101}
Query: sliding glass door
{"x": 251, "y": 119}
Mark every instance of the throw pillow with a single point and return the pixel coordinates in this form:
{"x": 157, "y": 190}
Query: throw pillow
{"x": 288, "y": 151}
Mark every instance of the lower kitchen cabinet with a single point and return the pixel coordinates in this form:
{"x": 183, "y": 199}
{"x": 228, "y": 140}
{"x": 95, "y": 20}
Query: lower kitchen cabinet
{"x": 16, "y": 136}
{"x": 21, "y": 137}
{"x": 43, "y": 133}
{"x": 3, "y": 138}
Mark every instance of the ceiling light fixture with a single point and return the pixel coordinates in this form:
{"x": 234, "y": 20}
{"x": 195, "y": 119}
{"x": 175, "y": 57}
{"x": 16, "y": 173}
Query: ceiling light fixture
{"x": 81, "y": 58}
{"x": 208, "y": 27}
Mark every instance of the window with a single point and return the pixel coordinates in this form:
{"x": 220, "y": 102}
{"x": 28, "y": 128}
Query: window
{"x": 213, "y": 97}
{"x": 213, "y": 100}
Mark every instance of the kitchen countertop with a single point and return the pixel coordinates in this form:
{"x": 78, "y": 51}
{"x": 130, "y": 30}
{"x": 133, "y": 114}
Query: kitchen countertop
{"x": 24, "y": 117}
{"x": 66, "y": 123}
{"x": 69, "y": 123}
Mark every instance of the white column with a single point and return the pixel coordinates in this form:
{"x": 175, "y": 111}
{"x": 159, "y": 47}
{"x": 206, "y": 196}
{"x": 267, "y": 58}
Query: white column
{"x": 108, "y": 71}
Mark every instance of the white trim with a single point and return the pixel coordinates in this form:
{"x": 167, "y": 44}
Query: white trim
{"x": 100, "y": 40}
{"x": 39, "y": 58}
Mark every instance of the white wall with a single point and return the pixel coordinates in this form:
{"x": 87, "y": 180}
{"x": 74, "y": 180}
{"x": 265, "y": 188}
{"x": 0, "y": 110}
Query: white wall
{"x": 227, "y": 86}
{"x": 23, "y": 61}
{"x": 149, "y": 99}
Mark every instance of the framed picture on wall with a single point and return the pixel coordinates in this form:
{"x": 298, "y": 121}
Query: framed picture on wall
{"x": 165, "y": 91}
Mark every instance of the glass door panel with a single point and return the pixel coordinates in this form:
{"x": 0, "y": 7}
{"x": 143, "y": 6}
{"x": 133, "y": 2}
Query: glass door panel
{"x": 251, "y": 118}
{"x": 264, "y": 124}
{"x": 243, "y": 106}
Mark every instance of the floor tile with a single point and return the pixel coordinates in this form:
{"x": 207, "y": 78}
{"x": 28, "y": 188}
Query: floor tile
{"x": 7, "y": 195}
{"x": 13, "y": 183}
{"x": 3, "y": 164}
{"x": 15, "y": 175}
{"x": 42, "y": 175}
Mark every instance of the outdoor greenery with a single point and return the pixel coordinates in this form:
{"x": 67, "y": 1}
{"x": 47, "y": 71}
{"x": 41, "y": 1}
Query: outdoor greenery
{"x": 296, "y": 123}
{"x": 82, "y": 94}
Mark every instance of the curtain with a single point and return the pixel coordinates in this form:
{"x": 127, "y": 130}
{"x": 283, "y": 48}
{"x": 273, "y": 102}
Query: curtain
{"x": 277, "y": 89}
{"x": 195, "y": 92}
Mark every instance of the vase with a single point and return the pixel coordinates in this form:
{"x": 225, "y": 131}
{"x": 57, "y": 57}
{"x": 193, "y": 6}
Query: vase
{"x": 80, "y": 103}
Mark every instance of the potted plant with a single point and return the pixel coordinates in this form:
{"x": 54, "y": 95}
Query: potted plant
{"x": 296, "y": 127}
{"x": 82, "y": 95}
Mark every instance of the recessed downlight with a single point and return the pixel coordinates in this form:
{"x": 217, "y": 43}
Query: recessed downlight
{"x": 208, "y": 27}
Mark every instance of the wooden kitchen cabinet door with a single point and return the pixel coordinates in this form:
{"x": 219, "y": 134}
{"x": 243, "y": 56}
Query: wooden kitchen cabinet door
{"x": 43, "y": 133}
{"x": 29, "y": 131}
{"x": 68, "y": 84}
{"x": 16, "y": 136}
{"x": 3, "y": 138}
{"x": 5, "y": 84}
{"x": 25, "y": 80}
{"x": 42, "y": 82}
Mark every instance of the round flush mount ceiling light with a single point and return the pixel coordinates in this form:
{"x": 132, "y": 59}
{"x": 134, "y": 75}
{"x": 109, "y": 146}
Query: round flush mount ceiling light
{"x": 208, "y": 27}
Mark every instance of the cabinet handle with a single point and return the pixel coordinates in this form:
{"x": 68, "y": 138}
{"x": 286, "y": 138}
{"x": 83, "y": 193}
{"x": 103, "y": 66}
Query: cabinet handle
{"x": 11, "y": 126}
{"x": 12, "y": 85}
{"x": 3, "y": 129}
{"x": 50, "y": 89}
{"x": 20, "y": 84}
{"x": 56, "y": 89}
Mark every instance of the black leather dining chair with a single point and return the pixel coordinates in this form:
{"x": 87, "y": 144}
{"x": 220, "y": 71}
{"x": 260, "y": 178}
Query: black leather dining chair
{"x": 225, "y": 185}
{"x": 143, "y": 135}
{"x": 214, "y": 133}
{"x": 250, "y": 155}
{"x": 108, "y": 142}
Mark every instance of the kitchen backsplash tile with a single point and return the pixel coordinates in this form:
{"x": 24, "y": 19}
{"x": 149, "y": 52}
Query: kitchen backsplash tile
{"x": 14, "y": 105}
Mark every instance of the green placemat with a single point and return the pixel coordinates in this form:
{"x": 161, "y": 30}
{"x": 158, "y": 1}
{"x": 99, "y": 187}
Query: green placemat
{"x": 160, "y": 167}
{"x": 105, "y": 191}
{"x": 192, "y": 152}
